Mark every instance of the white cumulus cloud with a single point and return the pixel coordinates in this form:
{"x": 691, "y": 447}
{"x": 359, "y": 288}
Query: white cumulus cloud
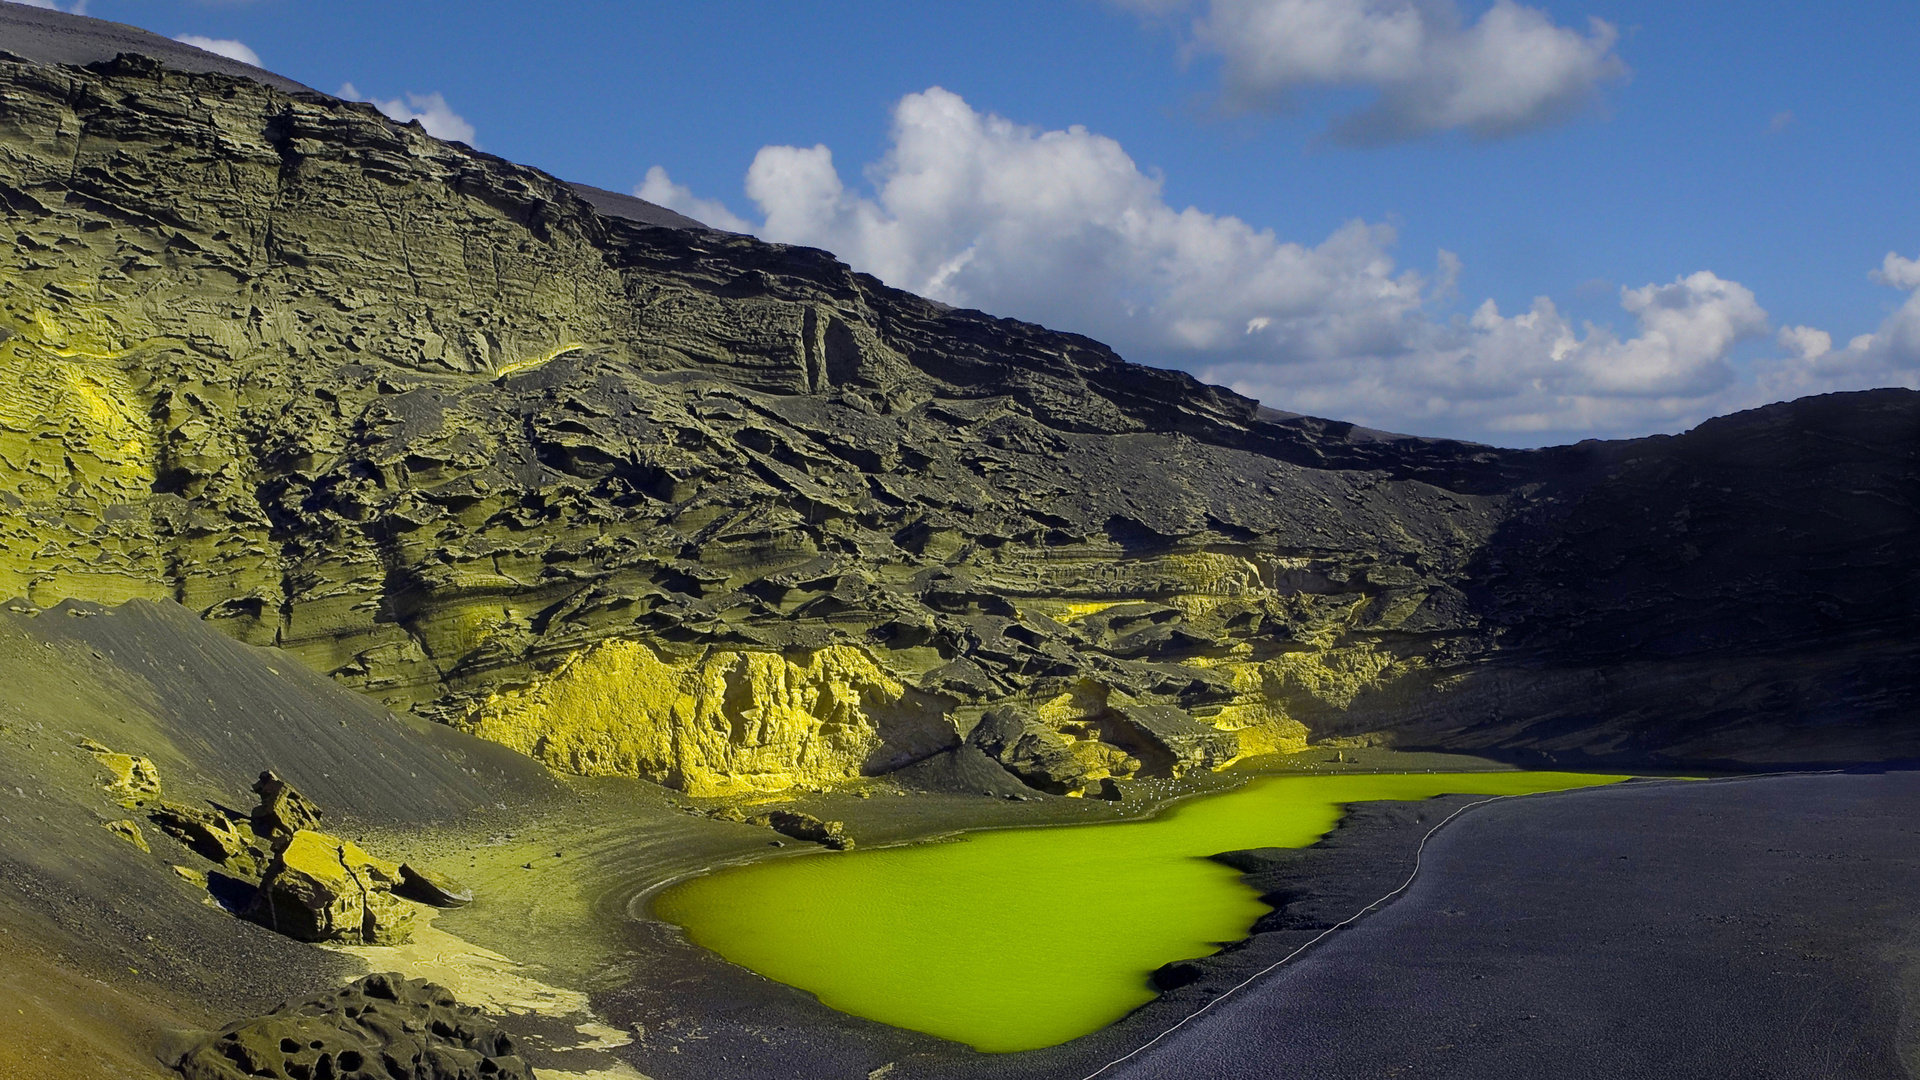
{"x": 1511, "y": 70}
{"x": 658, "y": 188}
{"x": 1064, "y": 228}
{"x": 1890, "y": 356}
{"x": 227, "y": 47}
{"x": 431, "y": 110}
{"x": 1498, "y": 377}
{"x": 77, "y": 7}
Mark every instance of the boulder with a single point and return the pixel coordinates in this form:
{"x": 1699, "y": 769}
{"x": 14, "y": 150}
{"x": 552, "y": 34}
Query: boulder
{"x": 378, "y": 1028}
{"x": 213, "y": 836}
{"x": 430, "y": 888}
{"x": 321, "y": 888}
{"x": 283, "y": 811}
{"x": 800, "y": 826}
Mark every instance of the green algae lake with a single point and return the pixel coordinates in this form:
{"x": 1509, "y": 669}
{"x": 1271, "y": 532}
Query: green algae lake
{"x": 1016, "y": 939}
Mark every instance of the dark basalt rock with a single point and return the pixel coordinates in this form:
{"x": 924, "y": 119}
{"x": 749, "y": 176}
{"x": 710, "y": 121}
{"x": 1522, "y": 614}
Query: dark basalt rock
{"x": 830, "y": 834}
{"x": 381, "y": 1027}
{"x": 213, "y": 836}
{"x": 438, "y": 424}
{"x": 431, "y": 888}
{"x": 963, "y": 770}
{"x": 282, "y": 811}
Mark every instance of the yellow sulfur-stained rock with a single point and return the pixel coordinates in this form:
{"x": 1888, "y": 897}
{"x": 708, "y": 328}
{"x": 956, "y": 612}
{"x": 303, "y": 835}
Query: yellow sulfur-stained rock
{"x": 212, "y": 836}
{"x": 130, "y": 778}
{"x": 321, "y": 888}
{"x": 723, "y": 723}
{"x": 282, "y": 811}
{"x": 128, "y": 830}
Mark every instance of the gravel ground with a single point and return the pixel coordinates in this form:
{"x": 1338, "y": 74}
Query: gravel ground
{"x": 1760, "y": 927}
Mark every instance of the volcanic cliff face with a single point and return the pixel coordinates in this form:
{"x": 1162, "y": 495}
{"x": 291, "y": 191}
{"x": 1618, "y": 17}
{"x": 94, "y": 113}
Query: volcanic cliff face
{"x": 681, "y": 504}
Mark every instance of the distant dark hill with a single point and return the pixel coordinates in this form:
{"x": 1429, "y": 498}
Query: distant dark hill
{"x": 44, "y": 36}
{"x": 647, "y": 499}
{"x": 1748, "y": 591}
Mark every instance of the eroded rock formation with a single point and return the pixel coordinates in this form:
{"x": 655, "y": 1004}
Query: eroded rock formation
{"x": 380, "y": 1027}
{"x": 323, "y": 888}
{"x": 685, "y": 505}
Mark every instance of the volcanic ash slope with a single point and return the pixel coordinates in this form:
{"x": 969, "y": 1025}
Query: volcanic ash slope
{"x": 680, "y": 504}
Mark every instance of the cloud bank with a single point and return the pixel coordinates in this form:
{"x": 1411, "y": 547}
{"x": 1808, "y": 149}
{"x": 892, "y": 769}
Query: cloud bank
{"x": 1509, "y": 71}
{"x": 431, "y": 110}
{"x": 1063, "y": 228}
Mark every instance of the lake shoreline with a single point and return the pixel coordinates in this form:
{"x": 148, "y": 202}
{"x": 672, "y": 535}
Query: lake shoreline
{"x": 719, "y": 1020}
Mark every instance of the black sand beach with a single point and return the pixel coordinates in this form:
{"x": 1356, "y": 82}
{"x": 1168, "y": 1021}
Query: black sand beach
{"x": 1758, "y": 928}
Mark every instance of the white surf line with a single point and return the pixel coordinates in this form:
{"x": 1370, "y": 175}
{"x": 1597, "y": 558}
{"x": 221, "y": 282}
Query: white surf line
{"x": 1418, "y": 854}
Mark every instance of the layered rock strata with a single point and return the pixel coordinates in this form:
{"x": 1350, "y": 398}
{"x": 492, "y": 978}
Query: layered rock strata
{"x": 680, "y": 504}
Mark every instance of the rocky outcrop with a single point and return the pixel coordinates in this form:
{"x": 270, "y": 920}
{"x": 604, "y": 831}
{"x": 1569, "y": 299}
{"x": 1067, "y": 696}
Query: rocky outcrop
{"x": 294, "y": 879}
{"x": 378, "y": 1028}
{"x": 282, "y": 810}
{"x": 428, "y": 887}
{"x": 718, "y": 722}
{"x": 131, "y": 779}
{"x": 321, "y": 888}
{"x": 685, "y": 505}
{"x": 214, "y": 836}
{"x": 1044, "y": 758}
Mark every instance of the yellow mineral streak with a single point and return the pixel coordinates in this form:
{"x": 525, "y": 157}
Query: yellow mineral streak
{"x": 519, "y": 366}
{"x": 1079, "y": 609}
{"x": 75, "y": 444}
{"x": 74, "y": 429}
{"x": 724, "y": 723}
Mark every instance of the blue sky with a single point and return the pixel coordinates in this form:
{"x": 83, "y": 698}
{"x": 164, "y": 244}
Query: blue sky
{"x": 1713, "y": 185}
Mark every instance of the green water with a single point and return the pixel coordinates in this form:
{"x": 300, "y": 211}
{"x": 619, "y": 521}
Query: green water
{"x": 1022, "y": 938}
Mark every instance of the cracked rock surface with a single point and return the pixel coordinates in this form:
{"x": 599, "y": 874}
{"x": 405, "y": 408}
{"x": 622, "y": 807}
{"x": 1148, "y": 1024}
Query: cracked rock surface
{"x": 377, "y": 1028}
{"x": 680, "y": 504}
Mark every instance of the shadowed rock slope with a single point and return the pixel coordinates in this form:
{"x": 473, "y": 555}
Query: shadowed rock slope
{"x": 668, "y": 502}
